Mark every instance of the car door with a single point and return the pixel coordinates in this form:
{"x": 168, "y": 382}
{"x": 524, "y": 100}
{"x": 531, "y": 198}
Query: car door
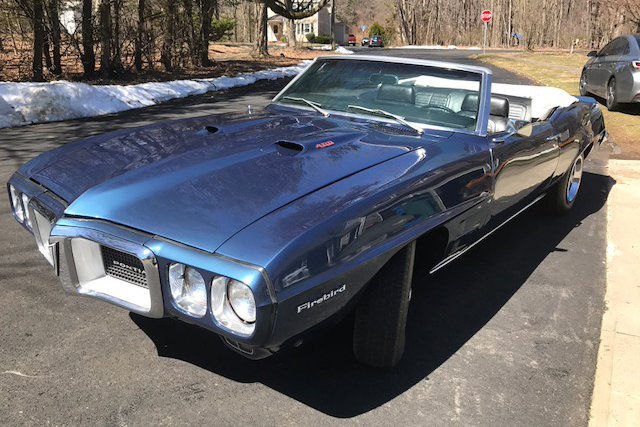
{"x": 523, "y": 164}
{"x": 604, "y": 65}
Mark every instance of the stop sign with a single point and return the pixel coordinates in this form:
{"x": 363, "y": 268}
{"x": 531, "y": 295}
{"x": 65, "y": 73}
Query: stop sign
{"x": 486, "y": 15}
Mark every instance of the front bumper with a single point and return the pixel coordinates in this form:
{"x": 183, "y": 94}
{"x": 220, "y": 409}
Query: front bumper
{"x": 75, "y": 251}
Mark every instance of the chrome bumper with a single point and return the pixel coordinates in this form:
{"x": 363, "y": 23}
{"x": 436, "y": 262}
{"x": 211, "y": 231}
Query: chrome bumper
{"x": 82, "y": 272}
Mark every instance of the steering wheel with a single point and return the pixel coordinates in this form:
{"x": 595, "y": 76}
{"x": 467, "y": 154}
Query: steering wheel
{"x": 440, "y": 107}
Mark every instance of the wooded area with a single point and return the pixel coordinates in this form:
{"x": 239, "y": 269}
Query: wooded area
{"x": 112, "y": 38}
{"x": 525, "y": 23}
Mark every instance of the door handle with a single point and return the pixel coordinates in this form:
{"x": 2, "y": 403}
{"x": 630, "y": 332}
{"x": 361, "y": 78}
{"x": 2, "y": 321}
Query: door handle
{"x": 555, "y": 137}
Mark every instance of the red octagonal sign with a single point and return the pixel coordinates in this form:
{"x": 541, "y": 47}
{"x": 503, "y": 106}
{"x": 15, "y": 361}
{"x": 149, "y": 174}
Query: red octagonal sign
{"x": 486, "y": 15}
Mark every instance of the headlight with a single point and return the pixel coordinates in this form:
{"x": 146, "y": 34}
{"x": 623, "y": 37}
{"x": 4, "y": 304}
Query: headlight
{"x": 16, "y": 203}
{"x": 233, "y": 305}
{"x": 27, "y": 214}
{"x": 242, "y": 301}
{"x": 188, "y": 289}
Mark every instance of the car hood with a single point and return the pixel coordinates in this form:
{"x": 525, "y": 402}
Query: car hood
{"x": 200, "y": 181}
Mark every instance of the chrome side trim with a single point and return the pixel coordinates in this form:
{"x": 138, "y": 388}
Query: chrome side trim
{"x": 455, "y": 255}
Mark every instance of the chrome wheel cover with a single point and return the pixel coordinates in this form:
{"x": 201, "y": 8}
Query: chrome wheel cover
{"x": 575, "y": 178}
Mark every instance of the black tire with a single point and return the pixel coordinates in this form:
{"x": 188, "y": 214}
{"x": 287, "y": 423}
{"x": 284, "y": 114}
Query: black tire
{"x": 612, "y": 96}
{"x": 561, "y": 197}
{"x": 583, "y": 84}
{"x": 381, "y": 315}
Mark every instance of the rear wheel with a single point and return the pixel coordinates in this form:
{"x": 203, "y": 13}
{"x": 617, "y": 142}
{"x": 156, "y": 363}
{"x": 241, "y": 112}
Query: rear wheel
{"x": 612, "y": 97}
{"x": 583, "y": 84}
{"x": 381, "y": 315}
{"x": 563, "y": 194}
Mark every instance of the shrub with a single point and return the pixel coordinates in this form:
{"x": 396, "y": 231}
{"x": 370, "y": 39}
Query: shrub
{"x": 221, "y": 28}
{"x": 311, "y": 38}
{"x": 323, "y": 39}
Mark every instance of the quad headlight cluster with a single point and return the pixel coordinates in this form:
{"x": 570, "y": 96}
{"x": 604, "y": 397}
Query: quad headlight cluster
{"x": 232, "y": 303}
{"x": 20, "y": 205}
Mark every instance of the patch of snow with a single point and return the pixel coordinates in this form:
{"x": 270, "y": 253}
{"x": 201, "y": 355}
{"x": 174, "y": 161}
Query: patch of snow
{"x": 322, "y": 47}
{"x": 341, "y": 49}
{"x": 26, "y": 103}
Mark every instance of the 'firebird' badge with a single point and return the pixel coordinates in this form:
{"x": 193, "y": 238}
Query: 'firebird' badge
{"x": 325, "y": 144}
{"x": 323, "y": 298}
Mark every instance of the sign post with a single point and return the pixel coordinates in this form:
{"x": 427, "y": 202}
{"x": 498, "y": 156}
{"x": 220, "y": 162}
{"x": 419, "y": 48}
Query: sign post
{"x": 486, "y": 16}
{"x": 363, "y": 27}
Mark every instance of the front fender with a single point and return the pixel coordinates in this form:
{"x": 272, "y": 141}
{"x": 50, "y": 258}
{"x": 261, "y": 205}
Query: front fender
{"x": 321, "y": 250}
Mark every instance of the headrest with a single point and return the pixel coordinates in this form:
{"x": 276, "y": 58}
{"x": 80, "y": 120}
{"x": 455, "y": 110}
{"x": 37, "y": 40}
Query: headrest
{"x": 499, "y": 106}
{"x": 398, "y": 93}
{"x": 470, "y": 102}
{"x": 389, "y": 79}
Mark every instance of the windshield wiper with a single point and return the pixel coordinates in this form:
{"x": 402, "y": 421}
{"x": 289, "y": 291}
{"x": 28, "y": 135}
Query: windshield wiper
{"x": 397, "y": 118}
{"x": 311, "y": 104}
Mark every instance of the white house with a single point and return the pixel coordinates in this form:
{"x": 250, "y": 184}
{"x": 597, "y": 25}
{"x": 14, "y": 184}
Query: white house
{"x": 320, "y": 23}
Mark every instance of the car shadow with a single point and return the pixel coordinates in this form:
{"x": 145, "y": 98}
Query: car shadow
{"x": 630, "y": 109}
{"x": 451, "y": 307}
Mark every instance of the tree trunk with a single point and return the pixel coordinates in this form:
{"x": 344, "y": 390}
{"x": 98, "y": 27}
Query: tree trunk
{"x": 139, "y": 36}
{"x": 116, "y": 59}
{"x": 192, "y": 41}
{"x": 56, "y": 70}
{"x": 105, "y": 37}
{"x": 291, "y": 33}
{"x": 38, "y": 40}
{"x": 206, "y": 15}
{"x": 88, "y": 54}
{"x": 166, "y": 56}
{"x": 333, "y": 24}
{"x": 260, "y": 48}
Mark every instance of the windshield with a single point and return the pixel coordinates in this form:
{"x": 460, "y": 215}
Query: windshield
{"x": 419, "y": 94}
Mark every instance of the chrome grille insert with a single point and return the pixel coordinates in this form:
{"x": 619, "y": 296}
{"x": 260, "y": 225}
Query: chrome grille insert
{"x": 123, "y": 266}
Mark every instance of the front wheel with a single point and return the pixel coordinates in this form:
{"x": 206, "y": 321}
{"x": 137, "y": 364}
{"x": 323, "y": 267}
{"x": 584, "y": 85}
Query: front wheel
{"x": 563, "y": 194}
{"x": 381, "y": 315}
{"x": 583, "y": 84}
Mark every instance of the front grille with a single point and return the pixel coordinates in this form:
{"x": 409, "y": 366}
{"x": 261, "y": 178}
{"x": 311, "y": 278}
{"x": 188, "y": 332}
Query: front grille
{"x": 123, "y": 266}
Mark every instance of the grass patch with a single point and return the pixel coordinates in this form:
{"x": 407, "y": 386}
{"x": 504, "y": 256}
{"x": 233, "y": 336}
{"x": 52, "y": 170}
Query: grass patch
{"x": 563, "y": 70}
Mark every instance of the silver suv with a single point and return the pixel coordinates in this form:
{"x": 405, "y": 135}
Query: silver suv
{"x": 614, "y": 72}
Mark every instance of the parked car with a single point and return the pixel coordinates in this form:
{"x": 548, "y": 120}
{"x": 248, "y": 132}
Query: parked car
{"x": 264, "y": 226}
{"x": 614, "y": 72}
{"x": 365, "y": 41}
{"x": 352, "y": 40}
{"x": 376, "y": 41}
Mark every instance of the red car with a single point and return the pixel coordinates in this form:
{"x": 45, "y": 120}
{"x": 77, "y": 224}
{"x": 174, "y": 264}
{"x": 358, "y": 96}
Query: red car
{"x": 352, "y": 40}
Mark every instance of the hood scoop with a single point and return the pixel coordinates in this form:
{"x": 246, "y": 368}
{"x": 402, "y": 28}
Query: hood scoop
{"x": 289, "y": 148}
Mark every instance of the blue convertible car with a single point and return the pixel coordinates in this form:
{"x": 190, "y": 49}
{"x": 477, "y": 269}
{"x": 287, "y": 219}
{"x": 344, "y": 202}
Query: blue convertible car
{"x": 262, "y": 226}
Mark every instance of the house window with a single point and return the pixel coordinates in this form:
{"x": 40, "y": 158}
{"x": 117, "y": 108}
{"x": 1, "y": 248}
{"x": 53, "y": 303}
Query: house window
{"x": 275, "y": 29}
{"x": 307, "y": 28}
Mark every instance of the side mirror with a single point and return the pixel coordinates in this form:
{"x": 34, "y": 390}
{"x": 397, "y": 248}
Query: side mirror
{"x": 592, "y": 54}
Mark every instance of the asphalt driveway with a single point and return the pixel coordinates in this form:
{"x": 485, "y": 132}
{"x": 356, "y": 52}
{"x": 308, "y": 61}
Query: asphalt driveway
{"x": 505, "y": 336}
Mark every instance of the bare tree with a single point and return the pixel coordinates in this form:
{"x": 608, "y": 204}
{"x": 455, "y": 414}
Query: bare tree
{"x": 38, "y": 40}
